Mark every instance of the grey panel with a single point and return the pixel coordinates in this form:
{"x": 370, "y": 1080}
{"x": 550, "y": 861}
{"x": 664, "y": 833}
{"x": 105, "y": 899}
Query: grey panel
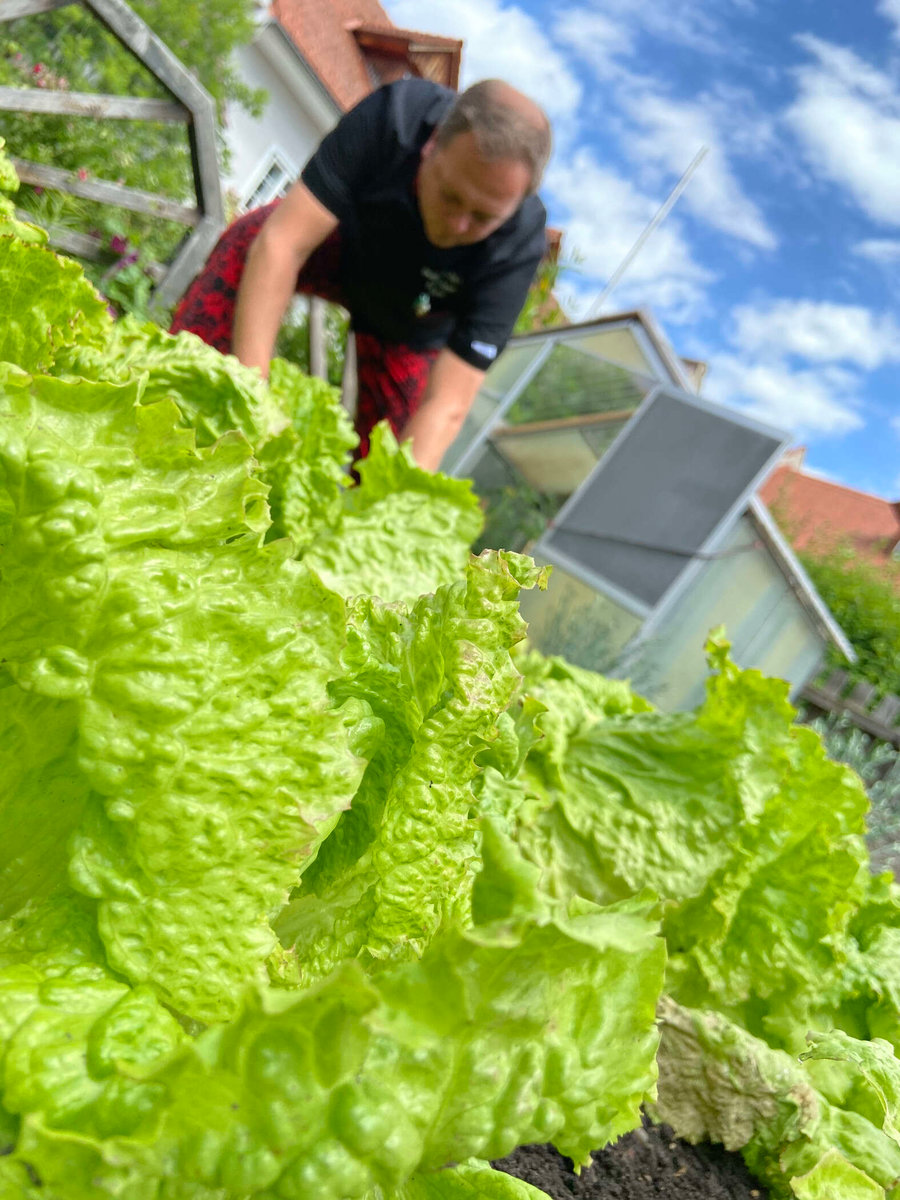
{"x": 658, "y": 496}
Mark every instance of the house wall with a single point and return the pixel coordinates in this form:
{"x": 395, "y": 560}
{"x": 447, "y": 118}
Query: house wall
{"x": 295, "y": 118}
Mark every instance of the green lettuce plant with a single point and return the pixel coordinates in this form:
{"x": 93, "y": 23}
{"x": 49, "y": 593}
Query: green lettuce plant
{"x": 314, "y": 882}
{"x": 250, "y": 941}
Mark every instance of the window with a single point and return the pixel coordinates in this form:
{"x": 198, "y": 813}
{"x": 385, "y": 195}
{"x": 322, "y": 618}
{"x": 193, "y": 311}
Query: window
{"x": 272, "y": 180}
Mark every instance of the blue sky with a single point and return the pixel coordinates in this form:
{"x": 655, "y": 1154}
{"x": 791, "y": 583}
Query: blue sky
{"x": 780, "y": 264}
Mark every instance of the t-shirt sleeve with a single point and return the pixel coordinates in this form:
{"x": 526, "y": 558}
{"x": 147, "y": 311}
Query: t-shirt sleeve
{"x": 348, "y": 155}
{"x": 495, "y": 301}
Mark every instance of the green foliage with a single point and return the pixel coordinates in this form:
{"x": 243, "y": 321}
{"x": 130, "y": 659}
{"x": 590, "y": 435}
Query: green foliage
{"x": 865, "y": 600}
{"x": 251, "y": 941}
{"x": 311, "y": 886}
{"x": 70, "y": 50}
{"x": 293, "y": 340}
{"x": 878, "y": 766}
{"x": 540, "y": 310}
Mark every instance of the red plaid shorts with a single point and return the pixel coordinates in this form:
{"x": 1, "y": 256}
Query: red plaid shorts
{"x": 391, "y": 377}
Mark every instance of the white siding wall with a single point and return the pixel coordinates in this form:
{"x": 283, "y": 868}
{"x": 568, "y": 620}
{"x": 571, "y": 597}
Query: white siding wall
{"x": 293, "y": 121}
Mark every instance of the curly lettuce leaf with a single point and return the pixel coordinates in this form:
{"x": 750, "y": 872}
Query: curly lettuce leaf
{"x": 305, "y": 466}
{"x": 486, "y": 1042}
{"x": 210, "y": 759}
{"x": 469, "y": 1181}
{"x": 833, "y": 1178}
{"x": 214, "y": 392}
{"x": 875, "y": 1060}
{"x": 300, "y": 434}
{"x": 731, "y": 813}
{"x": 10, "y": 225}
{"x": 402, "y": 533}
{"x": 719, "y": 1082}
{"x": 47, "y": 305}
{"x": 401, "y": 863}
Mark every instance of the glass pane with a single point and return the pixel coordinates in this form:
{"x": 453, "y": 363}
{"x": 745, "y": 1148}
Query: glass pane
{"x": 600, "y": 437}
{"x": 577, "y": 622}
{"x": 510, "y": 365}
{"x": 516, "y": 512}
{"x": 619, "y": 346}
{"x": 653, "y": 503}
{"x": 552, "y": 461}
{"x": 500, "y": 378}
{"x": 571, "y": 383}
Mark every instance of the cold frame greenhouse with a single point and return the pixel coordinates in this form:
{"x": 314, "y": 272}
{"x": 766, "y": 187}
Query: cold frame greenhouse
{"x": 593, "y": 450}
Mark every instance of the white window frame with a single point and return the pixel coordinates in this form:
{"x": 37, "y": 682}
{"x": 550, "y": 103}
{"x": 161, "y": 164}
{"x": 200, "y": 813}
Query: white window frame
{"x": 260, "y": 189}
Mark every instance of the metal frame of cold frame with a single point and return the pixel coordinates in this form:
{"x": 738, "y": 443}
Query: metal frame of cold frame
{"x": 551, "y": 339}
{"x": 665, "y": 371}
{"x": 468, "y": 455}
{"x": 656, "y": 614}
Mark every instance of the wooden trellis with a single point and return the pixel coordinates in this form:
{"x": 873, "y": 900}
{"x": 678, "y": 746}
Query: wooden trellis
{"x": 191, "y": 105}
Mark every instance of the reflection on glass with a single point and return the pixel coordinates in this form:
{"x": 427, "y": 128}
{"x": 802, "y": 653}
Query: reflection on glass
{"x": 619, "y": 345}
{"x": 572, "y": 383}
{"x": 505, "y": 372}
{"x": 573, "y": 620}
{"x": 483, "y": 408}
{"x": 516, "y": 512}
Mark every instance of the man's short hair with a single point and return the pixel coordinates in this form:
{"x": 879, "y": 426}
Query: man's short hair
{"x": 501, "y": 129}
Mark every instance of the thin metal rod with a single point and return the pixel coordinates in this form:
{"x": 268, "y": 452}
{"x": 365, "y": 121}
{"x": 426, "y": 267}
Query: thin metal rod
{"x": 664, "y": 209}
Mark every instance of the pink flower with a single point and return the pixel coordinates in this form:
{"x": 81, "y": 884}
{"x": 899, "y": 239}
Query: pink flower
{"x": 37, "y": 69}
{"x": 118, "y": 244}
{"x": 82, "y": 173}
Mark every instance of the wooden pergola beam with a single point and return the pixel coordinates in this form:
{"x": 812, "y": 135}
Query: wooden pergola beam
{"x": 85, "y": 245}
{"x": 136, "y": 36}
{"x": 190, "y": 103}
{"x": 133, "y": 199}
{"x": 91, "y": 104}
{"x": 11, "y": 9}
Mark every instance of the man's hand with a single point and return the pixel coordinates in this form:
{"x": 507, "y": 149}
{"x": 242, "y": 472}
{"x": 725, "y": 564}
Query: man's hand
{"x": 452, "y": 386}
{"x": 297, "y": 227}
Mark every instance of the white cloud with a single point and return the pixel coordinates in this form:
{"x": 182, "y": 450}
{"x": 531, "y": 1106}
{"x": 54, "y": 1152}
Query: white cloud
{"x": 847, "y": 118}
{"x": 669, "y": 133}
{"x": 891, "y": 10}
{"x": 501, "y": 42}
{"x": 803, "y": 402}
{"x": 595, "y": 38}
{"x": 606, "y": 216}
{"x": 697, "y": 24}
{"x": 879, "y": 250}
{"x": 895, "y": 425}
{"x": 817, "y": 331}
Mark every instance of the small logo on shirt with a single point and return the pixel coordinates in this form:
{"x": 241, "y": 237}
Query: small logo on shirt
{"x": 440, "y": 283}
{"x": 485, "y": 349}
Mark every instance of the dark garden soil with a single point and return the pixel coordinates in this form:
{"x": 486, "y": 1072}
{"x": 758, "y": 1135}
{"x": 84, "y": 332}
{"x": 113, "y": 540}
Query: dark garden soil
{"x": 647, "y": 1164}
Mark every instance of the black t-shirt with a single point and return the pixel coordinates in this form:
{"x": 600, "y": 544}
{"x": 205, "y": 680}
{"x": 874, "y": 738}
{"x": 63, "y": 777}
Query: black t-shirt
{"x": 398, "y": 285}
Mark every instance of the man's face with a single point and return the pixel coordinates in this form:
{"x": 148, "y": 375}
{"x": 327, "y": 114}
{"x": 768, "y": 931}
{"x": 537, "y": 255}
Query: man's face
{"x": 462, "y": 197}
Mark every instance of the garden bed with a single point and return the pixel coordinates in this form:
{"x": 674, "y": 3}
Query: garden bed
{"x": 647, "y": 1164}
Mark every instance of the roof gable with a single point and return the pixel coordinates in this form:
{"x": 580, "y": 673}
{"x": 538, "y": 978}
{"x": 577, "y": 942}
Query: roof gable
{"x": 353, "y": 47}
{"x": 817, "y": 513}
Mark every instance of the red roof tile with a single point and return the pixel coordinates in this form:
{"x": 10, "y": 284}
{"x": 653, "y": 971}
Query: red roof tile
{"x": 317, "y": 30}
{"x": 815, "y": 512}
{"x": 352, "y": 46}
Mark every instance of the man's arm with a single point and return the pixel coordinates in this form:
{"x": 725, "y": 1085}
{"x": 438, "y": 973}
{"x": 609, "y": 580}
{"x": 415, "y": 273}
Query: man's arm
{"x": 297, "y": 227}
{"x": 452, "y": 386}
